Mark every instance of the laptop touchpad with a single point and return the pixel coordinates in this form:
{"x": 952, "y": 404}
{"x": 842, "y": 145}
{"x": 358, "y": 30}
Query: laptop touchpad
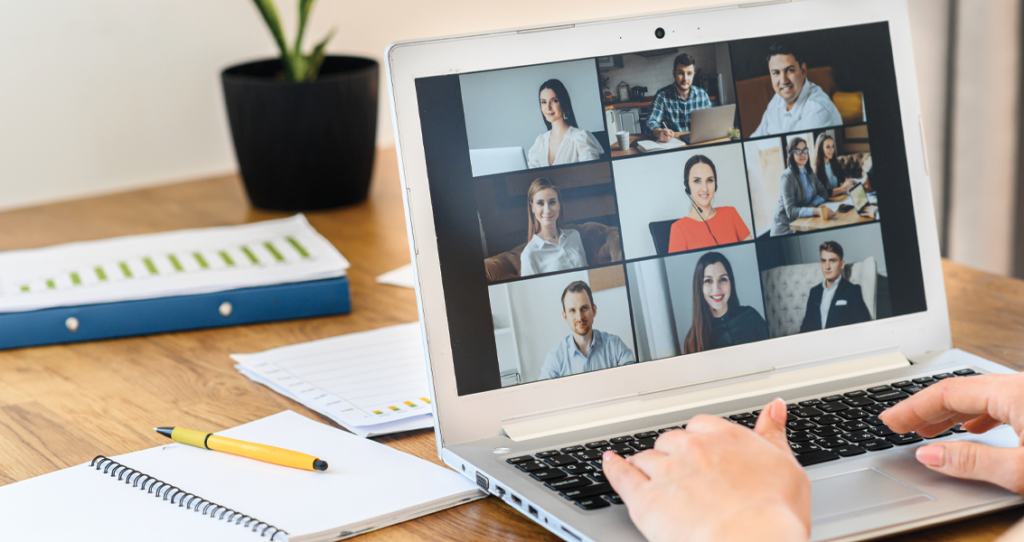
{"x": 859, "y": 493}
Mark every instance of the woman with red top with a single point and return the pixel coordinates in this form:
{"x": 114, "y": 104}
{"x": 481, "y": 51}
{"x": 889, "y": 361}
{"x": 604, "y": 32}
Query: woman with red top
{"x": 706, "y": 225}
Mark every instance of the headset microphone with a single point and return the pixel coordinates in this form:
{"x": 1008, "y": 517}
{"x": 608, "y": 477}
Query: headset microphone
{"x": 700, "y": 213}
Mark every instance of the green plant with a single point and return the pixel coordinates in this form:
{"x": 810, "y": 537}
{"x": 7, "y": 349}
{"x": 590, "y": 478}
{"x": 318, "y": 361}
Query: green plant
{"x": 297, "y": 66}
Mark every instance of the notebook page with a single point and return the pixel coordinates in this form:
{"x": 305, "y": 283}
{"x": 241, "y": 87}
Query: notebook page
{"x": 80, "y": 503}
{"x": 365, "y": 484}
{"x": 358, "y": 379}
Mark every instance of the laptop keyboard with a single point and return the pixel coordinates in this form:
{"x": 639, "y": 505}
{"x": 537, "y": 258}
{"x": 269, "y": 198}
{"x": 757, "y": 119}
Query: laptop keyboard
{"x": 819, "y": 430}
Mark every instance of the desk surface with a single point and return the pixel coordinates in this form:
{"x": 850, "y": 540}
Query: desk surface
{"x": 62, "y": 405}
{"x": 633, "y": 138}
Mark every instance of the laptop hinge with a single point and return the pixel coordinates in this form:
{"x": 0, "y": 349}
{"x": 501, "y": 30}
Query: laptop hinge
{"x": 646, "y": 406}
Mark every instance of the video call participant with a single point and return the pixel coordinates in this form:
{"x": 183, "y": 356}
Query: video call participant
{"x": 564, "y": 142}
{"x": 801, "y": 193}
{"x": 705, "y": 225}
{"x": 835, "y": 302}
{"x": 718, "y": 318}
{"x": 827, "y": 167}
{"x": 674, "y": 103}
{"x": 798, "y": 104}
{"x": 585, "y": 349}
{"x": 549, "y": 247}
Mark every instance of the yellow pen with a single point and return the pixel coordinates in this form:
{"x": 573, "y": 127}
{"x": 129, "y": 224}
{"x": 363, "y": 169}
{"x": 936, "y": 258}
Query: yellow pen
{"x": 261, "y": 452}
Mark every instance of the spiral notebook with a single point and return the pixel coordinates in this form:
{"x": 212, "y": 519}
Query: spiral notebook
{"x": 178, "y": 492}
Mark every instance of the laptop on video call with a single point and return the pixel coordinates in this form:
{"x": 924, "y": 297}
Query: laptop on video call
{"x": 558, "y": 326}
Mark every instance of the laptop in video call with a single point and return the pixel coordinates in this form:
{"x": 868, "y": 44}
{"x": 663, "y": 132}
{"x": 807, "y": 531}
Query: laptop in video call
{"x": 558, "y": 327}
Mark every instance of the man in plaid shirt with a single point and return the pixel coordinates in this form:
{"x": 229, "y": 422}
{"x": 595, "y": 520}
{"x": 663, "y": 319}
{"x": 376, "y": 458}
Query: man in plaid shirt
{"x": 674, "y": 103}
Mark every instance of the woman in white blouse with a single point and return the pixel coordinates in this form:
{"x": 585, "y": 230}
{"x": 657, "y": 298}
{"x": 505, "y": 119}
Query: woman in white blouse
{"x": 564, "y": 142}
{"x": 550, "y": 247}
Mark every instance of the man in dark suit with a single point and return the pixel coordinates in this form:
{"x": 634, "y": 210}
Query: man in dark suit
{"x": 835, "y": 302}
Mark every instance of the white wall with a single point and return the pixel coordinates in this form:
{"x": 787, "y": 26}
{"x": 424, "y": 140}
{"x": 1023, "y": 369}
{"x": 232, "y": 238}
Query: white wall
{"x": 650, "y": 189}
{"x": 502, "y": 107}
{"x": 109, "y": 95}
{"x": 985, "y": 129}
{"x": 537, "y": 317}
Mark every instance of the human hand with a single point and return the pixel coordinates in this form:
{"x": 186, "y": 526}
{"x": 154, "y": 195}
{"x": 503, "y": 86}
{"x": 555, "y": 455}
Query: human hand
{"x": 850, "y": 183}
{"x": 981, "y": 403}
{"x": 663, "y": 134}
{"x": 717, "y": 481}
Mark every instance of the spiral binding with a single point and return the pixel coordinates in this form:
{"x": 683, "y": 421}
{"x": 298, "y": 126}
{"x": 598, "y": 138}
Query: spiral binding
{"x": 191, "y": 501}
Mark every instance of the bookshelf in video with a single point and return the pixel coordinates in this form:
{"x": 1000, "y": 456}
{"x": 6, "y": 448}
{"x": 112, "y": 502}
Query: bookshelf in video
{"x": 583, "y": 225}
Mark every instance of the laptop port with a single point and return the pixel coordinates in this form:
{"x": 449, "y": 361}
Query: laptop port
{"x": 532, "y": 510}
{"x": 499, "y": 491}
{"x": 516, "y": 499}
{"x": 482, "y": 481}
{"x": 572, "y": 534}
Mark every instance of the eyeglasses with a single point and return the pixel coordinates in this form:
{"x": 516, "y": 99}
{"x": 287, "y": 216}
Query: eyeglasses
{"x": 801, "y": 151}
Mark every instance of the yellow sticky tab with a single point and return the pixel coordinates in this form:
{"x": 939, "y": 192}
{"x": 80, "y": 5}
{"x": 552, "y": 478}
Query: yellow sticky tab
{"x": 189, "y": 436}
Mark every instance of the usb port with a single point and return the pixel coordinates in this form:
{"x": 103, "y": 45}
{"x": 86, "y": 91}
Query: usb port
{"x": 532, "y": 510}
{"x": 516, "y": 499}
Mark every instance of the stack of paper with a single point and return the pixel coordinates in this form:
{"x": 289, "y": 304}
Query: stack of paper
{"x": 371, "y": 383}
{"x": 174, "y": 263}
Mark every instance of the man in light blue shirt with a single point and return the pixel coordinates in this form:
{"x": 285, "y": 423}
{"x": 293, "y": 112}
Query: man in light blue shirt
{"x": 585, "y": 349}
{"x": 798, "y": 103}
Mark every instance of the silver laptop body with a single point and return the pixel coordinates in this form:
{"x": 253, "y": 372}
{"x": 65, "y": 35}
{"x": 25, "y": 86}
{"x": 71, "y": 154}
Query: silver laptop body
{"x": 500, "y": 391}
{"x": 712, "y": 123}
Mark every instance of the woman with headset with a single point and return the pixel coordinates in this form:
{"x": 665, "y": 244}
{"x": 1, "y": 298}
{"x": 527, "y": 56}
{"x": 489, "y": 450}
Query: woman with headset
{"x": 802, "y": 194}
{"x": 718, "y": 318}
{"x": 705, "y": 225}
{"x": 564, "y": 142}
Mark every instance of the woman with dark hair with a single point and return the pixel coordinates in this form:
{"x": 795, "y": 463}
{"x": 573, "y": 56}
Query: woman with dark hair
{"x": 718, "y": 318}
{"x": 564, "y": 142}
{"x": 705, "y": 225}
{"x": 550, "y": 247}
{"x": 827, "y": 168}
{"x": 802, "y": 194}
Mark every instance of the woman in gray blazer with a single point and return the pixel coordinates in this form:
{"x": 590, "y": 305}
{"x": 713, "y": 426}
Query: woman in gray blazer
{"x": 801, "y": 191}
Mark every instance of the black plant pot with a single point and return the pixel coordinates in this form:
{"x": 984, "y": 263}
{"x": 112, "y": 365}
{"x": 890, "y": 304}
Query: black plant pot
{"x": 304, "y": 146}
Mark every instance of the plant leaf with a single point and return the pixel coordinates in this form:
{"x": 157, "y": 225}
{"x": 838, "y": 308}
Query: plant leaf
{"x": 305, "y": 7}
{"x": 316, "y": 58}
{"x": 269, "y": 13}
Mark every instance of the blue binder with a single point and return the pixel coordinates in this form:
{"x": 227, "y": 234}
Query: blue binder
{"x": 175, "y": 313}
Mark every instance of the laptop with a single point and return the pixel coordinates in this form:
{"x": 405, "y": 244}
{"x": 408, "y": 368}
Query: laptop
{"x": 712, "y": 123}
{"x": 523, "y": 412}
{"x": 859, "y": 197}
{"x": 500, "y": 160}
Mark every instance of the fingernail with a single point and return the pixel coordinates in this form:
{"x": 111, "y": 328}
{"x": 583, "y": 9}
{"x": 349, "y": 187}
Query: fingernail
{"x": 608, "y": 455}
{"x": 933, "y": 455}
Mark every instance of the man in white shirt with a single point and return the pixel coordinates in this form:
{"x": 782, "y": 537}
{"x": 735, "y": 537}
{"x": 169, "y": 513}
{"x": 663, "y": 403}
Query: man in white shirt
{"x": 585, "y": 349}
{"x": 835, "y": 302}
{"x": 798, "y": 104}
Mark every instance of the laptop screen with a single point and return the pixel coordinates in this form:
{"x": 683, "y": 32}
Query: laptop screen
{"x": 859, "y": 196}
{"x": 621, "y": 241}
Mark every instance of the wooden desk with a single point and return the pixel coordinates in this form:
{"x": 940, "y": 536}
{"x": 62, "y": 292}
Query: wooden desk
{"x": 62, "y": 405}
{"x": 813, "y": 223}
{"x": 633, "y": 138}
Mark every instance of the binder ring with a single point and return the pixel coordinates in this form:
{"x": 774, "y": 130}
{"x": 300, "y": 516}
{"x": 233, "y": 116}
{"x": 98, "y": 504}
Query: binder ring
{"x": 161, "y": 489}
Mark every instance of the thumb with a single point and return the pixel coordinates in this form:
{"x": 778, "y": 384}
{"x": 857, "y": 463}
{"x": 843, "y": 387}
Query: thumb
{"x": 1001, "y": 466}
{"x": 771, "y": 424}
